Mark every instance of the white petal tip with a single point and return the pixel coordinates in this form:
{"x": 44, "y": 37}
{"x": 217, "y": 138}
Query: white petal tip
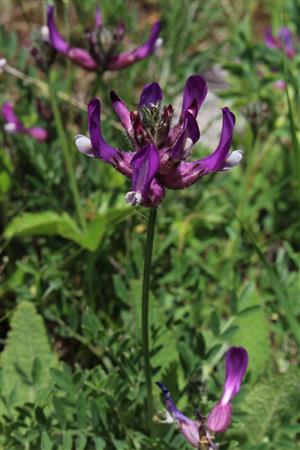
{"x": 163, "y": 417}
{"x": 10, "y": 127}
{"x": 133, "y": 198}
{"x": 158, "y": 43}
{"x": 3, "y": 63}
{"x": 45, "y": 33}
{"x": 84, "y": 144}
{"x": 233, "y": 159}
{"x": 188, "y": 147}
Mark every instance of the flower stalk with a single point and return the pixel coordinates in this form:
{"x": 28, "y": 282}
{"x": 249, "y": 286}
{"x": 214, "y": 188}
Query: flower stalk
{"x": 66, "y": 152}
{"x": 145, "y": 312}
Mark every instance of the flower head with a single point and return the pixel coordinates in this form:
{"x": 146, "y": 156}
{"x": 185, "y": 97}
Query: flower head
{"x": 41, "y": 50}
{"x": 102, "y": 45}
{"x": 160, "y": 150}
{"x": 283, "y": 40}
{"x": 14, "y": 125}
{"x": 201, "y": 431}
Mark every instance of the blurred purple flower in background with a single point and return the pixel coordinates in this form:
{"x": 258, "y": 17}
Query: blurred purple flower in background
{"x": 41, "y": 50}
{"x": 160, "y": 150}
{"x": 283, "y": 40}
{"x": 102, "y": 43}
{"x": 201, "y": 431}
{"x": 280, "y": 85}
{"x": 14, "y": 125}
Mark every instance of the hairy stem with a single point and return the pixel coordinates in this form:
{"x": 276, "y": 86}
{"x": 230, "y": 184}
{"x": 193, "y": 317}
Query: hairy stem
{"x": 145, "y": 313}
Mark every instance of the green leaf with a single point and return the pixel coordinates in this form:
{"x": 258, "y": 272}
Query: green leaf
{"x": 67, "y": 440}
{"x": 81, "y": 410}
{"x": 46, "y": 443}
{"x": 36, "y": 371}
{"x": 63, "y": 380}
{"x": 102, "y": 224}
{"x": 44, "y": 223}
{"x": 253, "y": 331}
{"x": 40, "y": 416}
{"x": 279, "y": 289}
{"x": 94, "y": 414}
{"x": 5, "y": 173}
{"x": 166, "y": 343}
{"x": 59, "y": 411}
{"x": 81, "y": 442}
{"x": 27, "y": 356}
{"x": 52, "y": 223}
{"x": 99, "y": 443}
{"x": 268, "y": 403}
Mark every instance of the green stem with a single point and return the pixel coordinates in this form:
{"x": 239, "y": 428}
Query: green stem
{"x": 66, "y": 152}
{"x": 145, "y": 313}
{"x": 96, "y": 84}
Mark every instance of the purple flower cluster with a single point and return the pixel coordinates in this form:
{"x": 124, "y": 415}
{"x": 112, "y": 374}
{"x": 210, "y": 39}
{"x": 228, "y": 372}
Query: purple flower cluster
{"x": 14, "y": 125}
{"x": 102, "y": 45}
{"x": 201, "y": 431}
{"x": 160, "y": 149}
{"x": 283, "y": 41}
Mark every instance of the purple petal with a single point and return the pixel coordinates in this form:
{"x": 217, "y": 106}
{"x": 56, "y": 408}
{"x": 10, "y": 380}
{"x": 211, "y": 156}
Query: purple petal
{"x": 169, "y": 403}
{"x": 119, "y": 31}
{"x": 216, "y": 160}
{"x": 151, "y": 95}
{"x": 236, "y": 366}
{"x": 156, "y": 194}
{"x": 193, "y": 129}
{"x": 286, "y": 39}
{"x": 140, "y": 133}
{"x": 78, "y": 55}
{"x": 188, "y": 428}
{"x": 98, "y": 18}
{"x": 188, "y": 173}
{"x": 38, "y": 133}
{"x": 183, "y": 176}
{"x": 178, "y": 148}
{"x": 10, "y": 116}
{"x": 56, "y": 39}
{"x": 270, "y": 40}
{"x": 188, "y": 136}
{"x": 219, "y": 418}
{"x": 285, "y": 35}
{"x": 190, "y": 431}
{"x": 82, "y": 58}
{"x": 102, "y": 150}
{"x": 194, "y": 93}
{"x": 145, "y": 164}
{"x": 122, "y": 111}
{"x": 127, "y": 58}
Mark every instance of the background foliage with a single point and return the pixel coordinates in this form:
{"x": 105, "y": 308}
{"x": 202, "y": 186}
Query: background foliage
{"x": 226, "y": 259}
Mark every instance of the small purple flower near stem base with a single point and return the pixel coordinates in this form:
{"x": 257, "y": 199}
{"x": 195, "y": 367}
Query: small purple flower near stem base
{"x": 14, "y": 125}
{"x": 283, "y": 41}
{"x": 201, "y": 431}
{"x": 102, "y": 45}
{"x": 158, "y": 160}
